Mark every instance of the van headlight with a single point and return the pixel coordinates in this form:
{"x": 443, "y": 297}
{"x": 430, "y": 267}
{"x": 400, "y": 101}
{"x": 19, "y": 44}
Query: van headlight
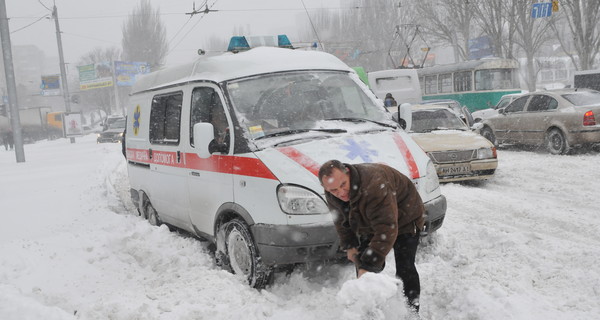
{"x": 298, "y": 200}
{"x": 432, "y": 182}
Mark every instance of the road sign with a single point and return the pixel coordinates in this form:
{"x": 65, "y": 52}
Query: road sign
{"x": 541, "y": 10}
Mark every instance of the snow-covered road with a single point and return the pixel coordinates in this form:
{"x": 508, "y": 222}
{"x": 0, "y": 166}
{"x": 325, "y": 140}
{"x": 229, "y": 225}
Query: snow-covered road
{"x": 525, "y": 245}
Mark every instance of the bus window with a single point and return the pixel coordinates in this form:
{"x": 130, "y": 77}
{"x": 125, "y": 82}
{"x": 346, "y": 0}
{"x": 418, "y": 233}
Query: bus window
{"x": 493, "y": 79}
{"x": 462, "y": 81}
{"x": 445, "y": 83}
{"x": 430, "y": 84}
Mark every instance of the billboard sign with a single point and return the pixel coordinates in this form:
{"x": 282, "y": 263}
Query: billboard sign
{"x": 480, "y": 47}
{"x": 50, "y": 85}
{"x": 96, "y": 75}
{"x": 72, "y": 124}
{"x": 126, "y": 72}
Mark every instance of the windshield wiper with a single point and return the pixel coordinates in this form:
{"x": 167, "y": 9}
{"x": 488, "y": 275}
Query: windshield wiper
{"x": 363, "y": 120}
{"x": 441, "y": 128}
{"x": 295, "y": 131}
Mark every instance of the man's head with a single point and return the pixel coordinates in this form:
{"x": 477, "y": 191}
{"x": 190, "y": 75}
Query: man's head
{"x": 335, "y": 179}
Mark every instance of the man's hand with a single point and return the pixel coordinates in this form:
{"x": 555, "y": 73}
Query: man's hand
{"x": 352, "y": 255}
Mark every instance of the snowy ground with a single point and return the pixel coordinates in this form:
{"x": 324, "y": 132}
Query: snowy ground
{"x": 525, "y": 245}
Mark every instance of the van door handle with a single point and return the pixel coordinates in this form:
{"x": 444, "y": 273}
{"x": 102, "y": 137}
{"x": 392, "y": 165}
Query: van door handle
{"x": 178, "y": 156}
{"x": 195, "y": 174}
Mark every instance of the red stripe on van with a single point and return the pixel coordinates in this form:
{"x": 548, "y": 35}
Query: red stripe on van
{"x": 302, "y": 159}
{"x": 408, "y": 157}
{"x": 244, "y": 166}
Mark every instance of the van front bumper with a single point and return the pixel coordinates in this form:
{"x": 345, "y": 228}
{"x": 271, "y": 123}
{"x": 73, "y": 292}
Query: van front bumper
{"x": 435, "y": 211}
{"x": 289, "y": 244}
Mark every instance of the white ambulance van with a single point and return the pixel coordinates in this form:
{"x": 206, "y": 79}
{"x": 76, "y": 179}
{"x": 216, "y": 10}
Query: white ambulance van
{"x": 228, "y": 148}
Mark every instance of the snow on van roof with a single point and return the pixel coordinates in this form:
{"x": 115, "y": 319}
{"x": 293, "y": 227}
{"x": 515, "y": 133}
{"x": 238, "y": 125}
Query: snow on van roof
{"x": 229, "y": 66}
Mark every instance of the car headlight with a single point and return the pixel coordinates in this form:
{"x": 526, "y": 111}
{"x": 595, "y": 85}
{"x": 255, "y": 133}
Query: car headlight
{"x": 486, "y": 153}
{"x": 298, "y": 200}
{"x": 432, "y": 182}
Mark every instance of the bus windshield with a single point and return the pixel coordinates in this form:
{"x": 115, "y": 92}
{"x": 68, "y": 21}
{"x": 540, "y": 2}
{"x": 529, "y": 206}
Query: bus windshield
{"x": 291, "y": 101}
{"x": 493, "y": 79}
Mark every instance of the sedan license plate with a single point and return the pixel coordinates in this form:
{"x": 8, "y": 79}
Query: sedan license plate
{"x": 454, "y": 170}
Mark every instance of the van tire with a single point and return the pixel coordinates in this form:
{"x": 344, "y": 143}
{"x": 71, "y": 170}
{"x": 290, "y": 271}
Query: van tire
{"x": 151, "y": 214}
{"x": 241, "y": 256}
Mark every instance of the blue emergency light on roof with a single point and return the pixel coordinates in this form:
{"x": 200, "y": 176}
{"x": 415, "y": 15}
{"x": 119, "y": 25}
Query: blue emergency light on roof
{"x": 241, "y": 43}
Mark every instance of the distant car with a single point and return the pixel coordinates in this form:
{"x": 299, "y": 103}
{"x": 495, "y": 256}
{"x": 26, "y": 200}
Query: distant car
{"x": 558, "y": 120}
{"x": 483, "y": 114}
{"x": 109, "y": 120}
{"x": 457, "y": 153}
{"x": 461, "y": 111}
{"x": 114, "y": 132}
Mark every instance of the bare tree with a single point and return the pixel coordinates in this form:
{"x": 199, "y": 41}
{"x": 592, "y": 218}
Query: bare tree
{"x": 531, "y": 36}
{"x": 449, "y": 22}
{"x": 362, "y": 33}
{"x": 144, "y": 36}
{"x": 583, "y": 31}
{"x": 492, "y": 17}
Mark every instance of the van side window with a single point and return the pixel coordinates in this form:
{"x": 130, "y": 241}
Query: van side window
{"x": 165, "y": 118}
{"x": 207, "y": 107}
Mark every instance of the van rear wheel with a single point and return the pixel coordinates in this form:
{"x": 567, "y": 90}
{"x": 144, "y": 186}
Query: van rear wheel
{"x": 151, "y": 215}
{"x": 241, "y": 254}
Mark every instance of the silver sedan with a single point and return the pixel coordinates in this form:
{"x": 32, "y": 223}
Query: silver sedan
{"x": 558, "y": 120}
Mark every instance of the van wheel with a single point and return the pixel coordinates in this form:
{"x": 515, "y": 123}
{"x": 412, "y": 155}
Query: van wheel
{"x": 487, "y": 133}
{"x": 152, "y": 215}
{"x": 241, "y": 254}
{"x": 556, "y": 143}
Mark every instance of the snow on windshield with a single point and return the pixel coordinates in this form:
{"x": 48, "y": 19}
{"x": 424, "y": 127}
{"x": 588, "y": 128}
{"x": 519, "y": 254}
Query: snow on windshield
{"x": 435, "y": 119}
{"x": 299, "y": 100}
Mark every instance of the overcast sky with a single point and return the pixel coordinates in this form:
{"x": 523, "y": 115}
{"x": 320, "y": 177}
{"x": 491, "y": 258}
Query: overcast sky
{"x": 87, "y": 24}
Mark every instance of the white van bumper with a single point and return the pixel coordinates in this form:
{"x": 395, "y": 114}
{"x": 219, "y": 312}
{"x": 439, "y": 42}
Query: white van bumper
{"x": 288, "y": 244}
{"x": 435, "y": 211}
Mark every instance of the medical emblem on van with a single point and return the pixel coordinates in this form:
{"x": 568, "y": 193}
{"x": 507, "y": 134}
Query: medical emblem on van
{"x": 136, "y": 120}
{"x": 359, "y": 149}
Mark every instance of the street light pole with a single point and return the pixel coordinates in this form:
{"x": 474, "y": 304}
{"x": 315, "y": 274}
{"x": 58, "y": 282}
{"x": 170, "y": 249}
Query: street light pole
{"x": 10, "y": 84}
{"x": 63, "y": 73}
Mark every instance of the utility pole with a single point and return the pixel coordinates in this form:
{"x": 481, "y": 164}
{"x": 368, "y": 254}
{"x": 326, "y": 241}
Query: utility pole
{"x": 63, "y": 73}
{"x": 10, "y": 84}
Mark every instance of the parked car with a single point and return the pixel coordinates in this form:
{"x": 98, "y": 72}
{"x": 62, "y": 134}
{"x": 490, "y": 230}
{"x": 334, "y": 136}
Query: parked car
{"x": 458, "y": 153}
{"x": 461, "y": 111}
{"x": 558, "y": 120}
{"x": 114, "y": 132}
{"x": 483, "y": 114}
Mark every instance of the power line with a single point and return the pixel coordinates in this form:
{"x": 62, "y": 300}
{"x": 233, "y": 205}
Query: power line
{"x": 194, "y": 26}
{"x": 29, "y": 25}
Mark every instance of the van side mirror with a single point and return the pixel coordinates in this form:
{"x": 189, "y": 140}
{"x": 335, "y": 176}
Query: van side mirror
{"x": 405, "y": 114}
{"x": 203, "y": 135}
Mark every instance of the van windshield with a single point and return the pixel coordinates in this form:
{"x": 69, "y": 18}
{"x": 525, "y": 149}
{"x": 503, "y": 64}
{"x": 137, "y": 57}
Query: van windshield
{"x": 290, "y": 101}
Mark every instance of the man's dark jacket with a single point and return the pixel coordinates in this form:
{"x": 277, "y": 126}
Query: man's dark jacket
{"x": 383, "y": 204}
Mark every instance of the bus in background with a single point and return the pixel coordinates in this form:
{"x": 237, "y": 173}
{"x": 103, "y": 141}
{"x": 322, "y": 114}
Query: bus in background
{"x": 589, "y": 79}
{"x": 402, "y": 84}
{"x": 476, "y": 84}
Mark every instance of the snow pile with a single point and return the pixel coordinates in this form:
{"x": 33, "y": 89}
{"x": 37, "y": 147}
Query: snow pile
{"x": 372, "y": 296}
{"x": 524, "y": 245}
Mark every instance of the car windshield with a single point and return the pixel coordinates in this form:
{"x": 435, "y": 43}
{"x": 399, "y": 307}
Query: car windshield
{"x": 436, "y": 119}
{"x": 292, "y": 102}
{"x": 119, "y": 124}
{"x": 583, "y": 98}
